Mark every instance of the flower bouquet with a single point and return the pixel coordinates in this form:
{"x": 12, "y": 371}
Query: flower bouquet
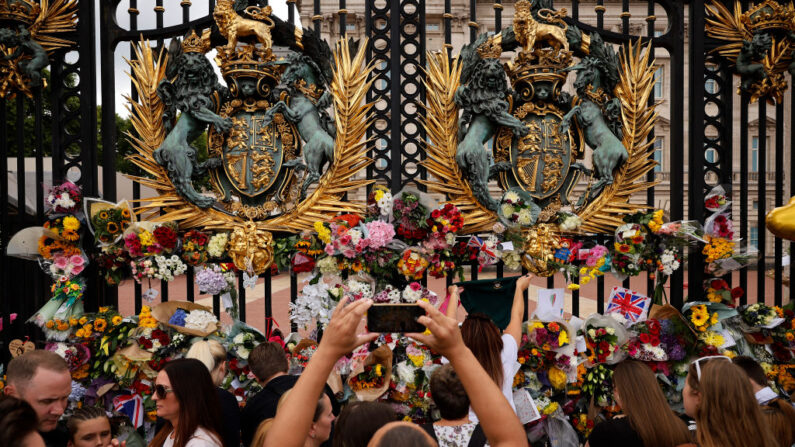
{"x": 517, "y": 209}
{"x": 549, "y": 336}
{"x": 64, "y": 198}
{"x": 628, "y": 249}
{"x": 64, "y": 268}
{"x": 604, "y": 337}
{"x": 719, "y": 225}
{"x": 370, "y": 379}
{"x": 302, "y": 353}
{"x": 186, "y": 317}
{"x": 736, "y": 259}
{"x": 598, "y": 385}
{"x": 701, "y": 318}
{"x": 379, "y": 203}
{"x": 718, "y": 291}
{"x": 686, "y": 230}
{"x": 194, "y": 247}
{"x": 647, "y": 344}
{"x": 412, "y": 293}
{"x": 66, "y": 228}
{"x": 314, "y": 302}
{"x": 410, "y": 210}
{"x": 412, "y": 263}
{"x": 760, "y": 315}
{"x": 76, "y": 356}
{"x": 112, "y": 260}
{"x": 108, "y": 221}
{"x": 216, "y": 247}
{"x": 716, "y": 200}
{"x": 66, "y": 303}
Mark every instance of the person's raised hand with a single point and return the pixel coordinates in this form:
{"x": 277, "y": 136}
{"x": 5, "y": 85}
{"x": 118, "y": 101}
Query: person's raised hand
{"x": 445, "y": 337}
{"x": 454, "y": 290}
{"x": 340, "y": 335}
{"x": 523, "y": 282}
{"x": 117, "y": 443}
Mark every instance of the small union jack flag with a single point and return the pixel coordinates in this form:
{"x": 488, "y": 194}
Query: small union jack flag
{"x": 631, "y": 305}
{"x": 132, "y": 405}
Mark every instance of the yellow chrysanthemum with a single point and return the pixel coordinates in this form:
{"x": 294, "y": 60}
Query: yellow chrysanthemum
{"x": 83, "y": 320}
{"x": 116, "y": 320}
{"x": 146, "y": 238}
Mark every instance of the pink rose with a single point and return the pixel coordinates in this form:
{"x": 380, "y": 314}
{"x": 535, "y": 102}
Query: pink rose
{"x": 329, "y": 249}
{"x": 76, "y": 260}
{"x": 77, "y": 269}
{"x": 415, "y": 286}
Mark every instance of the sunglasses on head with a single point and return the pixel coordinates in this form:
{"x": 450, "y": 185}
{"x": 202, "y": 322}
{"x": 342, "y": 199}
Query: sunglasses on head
{"x": 698, "y": 361}
{"x": 161, "y": 391}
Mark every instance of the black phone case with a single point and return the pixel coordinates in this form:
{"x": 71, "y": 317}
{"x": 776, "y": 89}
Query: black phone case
{"x": 395, "y": 318}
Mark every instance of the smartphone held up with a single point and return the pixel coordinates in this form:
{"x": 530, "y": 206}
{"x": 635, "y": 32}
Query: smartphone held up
{"x": 399, "y": 318}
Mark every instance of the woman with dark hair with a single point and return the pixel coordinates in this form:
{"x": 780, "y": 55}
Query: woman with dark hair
{"x": 358, "y": 422}
{"x": 18, "y": 423}
{"x": 718, "y": 395}
{"x": 213, "y": 355}
{"x": 648, "y": 420}
{"x": 496, "y": 353}
{"x": 89, "y": 427}
{"x": 186, "y": 399}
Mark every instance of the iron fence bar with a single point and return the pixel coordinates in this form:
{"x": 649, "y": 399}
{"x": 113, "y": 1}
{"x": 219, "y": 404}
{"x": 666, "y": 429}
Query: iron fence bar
{"x": 448, "y": 23}
{"x": 675, "y": 45}
{"x": 159, "y": 10}
{"x": 343, "y": 16}
{"x": 268, "y": 296}
{"x": 473, "y": 20}
{"x": 293, "y": 297}
{"x": 650, "y": 19}
{"x": 5, "y": 304}
{"x": 241, "y": 296}
{"x": 217, "y": 306}
{"x": 792, "y": 192}
{"x": 744, "y": 101}
{"x": 600, "y": 283}
{"x": 599, "y": 9}
{"x": 575, "y": 10}
{"x": 317, "y": 17}
{"x": 497, "y": 16}
{"x": 40, "y": 279}
{"x": 291, "y": 11}
{"x": 185, "y": 10}
{"x": 19, "y": 147}
{"x": 696, "y": 142}
{"x": 136, "y": 187}
{"x": 778, "y": 249}
{"x": 395, "y": 179}
{"x": 761, "y": 164}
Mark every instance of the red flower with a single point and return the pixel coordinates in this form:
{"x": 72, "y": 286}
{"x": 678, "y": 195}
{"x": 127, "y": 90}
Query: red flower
{"x": 644, "y": 338}
{"x": 604, "y": 346}
{"x": 655, "y": 340}
{"x": 737, "y": 292}
{"x": 145, "y": 343}
{"x": 719, "y": 284}
{"x": 654, "y": 326}
{"x": 166, "y": 237}
{"x": 712, "y": 202}
{"x": 435, "y": 214}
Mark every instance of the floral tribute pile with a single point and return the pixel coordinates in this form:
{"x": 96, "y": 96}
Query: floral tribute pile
{"x": 384, "y": 255}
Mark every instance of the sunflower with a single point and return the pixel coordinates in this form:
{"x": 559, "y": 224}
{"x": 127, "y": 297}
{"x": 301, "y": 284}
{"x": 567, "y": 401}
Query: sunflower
{"x": 100, "y": 324}
{"x": 70, "y": 235}
{"x": 103, "y": 215}
{"x": 699, "y": 318}
{"x": 116, "y": 320}
{"x": 125, "y": 213}
{"x": 112, "y": 227}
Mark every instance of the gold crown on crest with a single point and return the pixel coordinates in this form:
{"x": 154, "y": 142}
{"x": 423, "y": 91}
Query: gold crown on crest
{"x": 195, "y": 43}
{"x": 769, "y": 15}
{"x": 492, "y": 48}
{"x": 248, "y": 61}
{"x": 543, "y": 64}
{"x": 20, "y": 11}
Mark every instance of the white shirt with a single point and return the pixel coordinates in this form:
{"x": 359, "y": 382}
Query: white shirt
{"x": 765, "y": 395}
{"x": 510, "y": 366}
{"x": 200, "y": 438}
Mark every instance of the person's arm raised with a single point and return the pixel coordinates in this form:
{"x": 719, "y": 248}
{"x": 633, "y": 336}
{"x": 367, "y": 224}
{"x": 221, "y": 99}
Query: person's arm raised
{"x": 452, "y": 305}
{"x": 293, "y": 421}
{"x": 499, "y": 422}
{"x": 514, "y": 327}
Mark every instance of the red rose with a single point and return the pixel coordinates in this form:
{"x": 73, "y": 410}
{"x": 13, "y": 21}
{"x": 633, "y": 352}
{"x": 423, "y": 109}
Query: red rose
{"x": 165, "y": 237}
{"x": 435, "y": 214}
{"x": 737, "y": 292}
{"x": 604, "y": 346}
{"x": 655, "y": 340}
{"x": 644, "y": 338}
{"x": 654, "y": 326}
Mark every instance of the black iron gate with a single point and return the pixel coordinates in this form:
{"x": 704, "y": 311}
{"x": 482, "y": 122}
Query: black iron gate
{"x": 397, "y": 33}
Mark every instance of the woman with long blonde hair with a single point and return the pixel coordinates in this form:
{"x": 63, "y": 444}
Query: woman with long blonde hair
{"x": 648, "y": 420}
{"x": 718, "y": 395}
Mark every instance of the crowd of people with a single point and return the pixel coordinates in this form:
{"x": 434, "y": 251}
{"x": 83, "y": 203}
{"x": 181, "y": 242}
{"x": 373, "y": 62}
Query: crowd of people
{"x": 727, "y": 401}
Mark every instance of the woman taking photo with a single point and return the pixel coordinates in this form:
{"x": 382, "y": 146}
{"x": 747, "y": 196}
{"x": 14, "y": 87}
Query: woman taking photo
{"x": 213, "y": 355}
{"x": 496, "y": 353}
{"x": 718, "y": 396}
{"x": 186, "y": 399}
{"x": 647, "y": 420}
